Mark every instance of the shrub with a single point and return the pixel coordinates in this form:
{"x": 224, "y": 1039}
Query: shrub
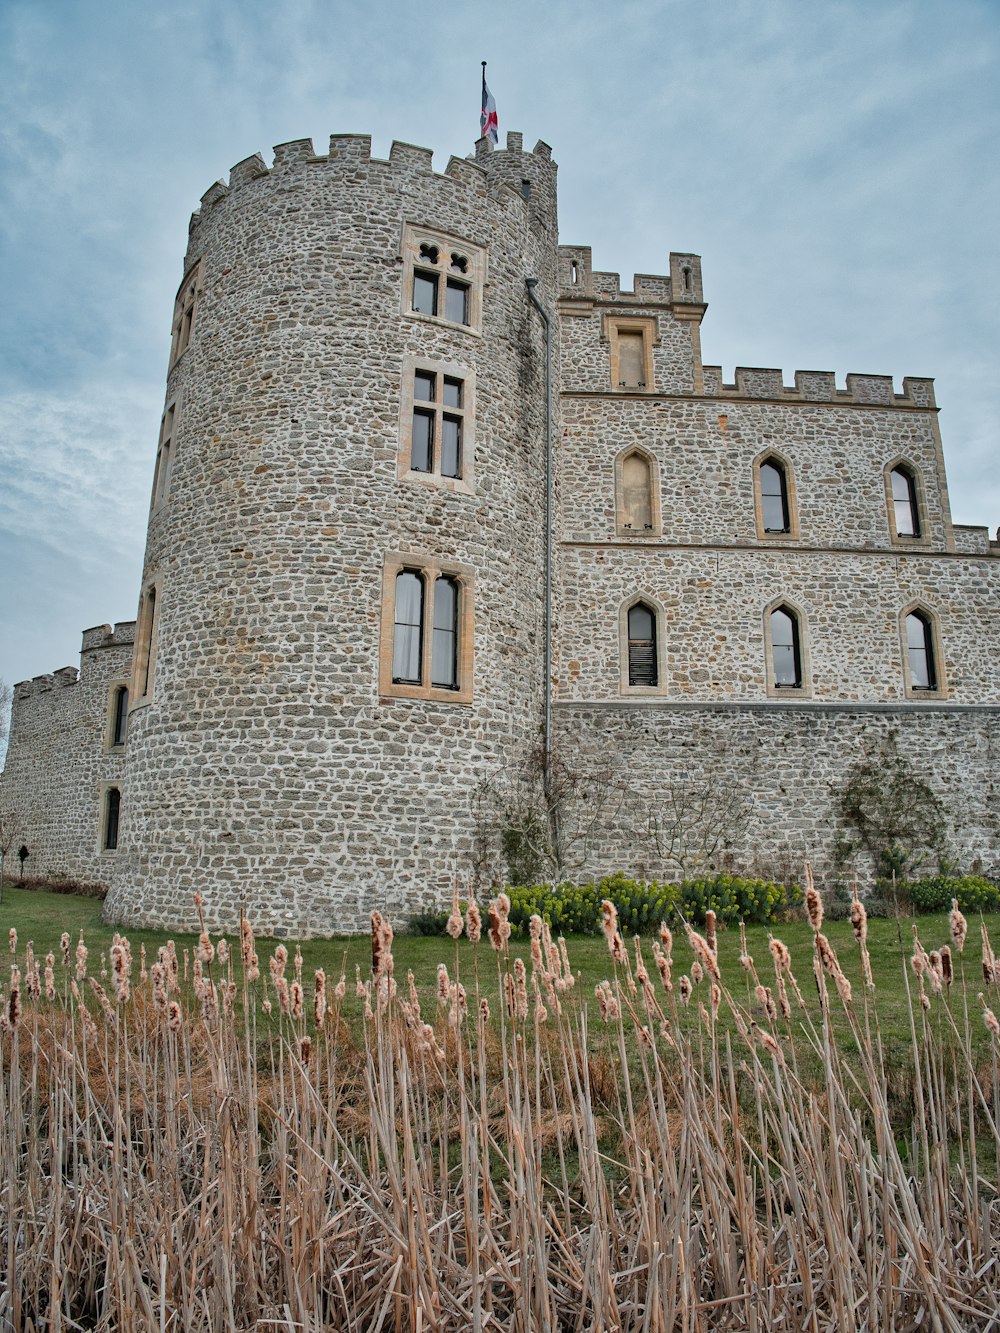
{"x": 575, "y": 909}
{"x": 429, "y": 921}
{"x": 934, "y": 894}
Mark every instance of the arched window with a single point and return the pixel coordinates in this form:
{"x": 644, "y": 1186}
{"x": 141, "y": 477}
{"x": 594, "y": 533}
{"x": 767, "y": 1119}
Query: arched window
{"x": 905, "y": 509}
{"x": 773, "y": 482}
{"x": 786, "y": 649}
{"x": 920, "y": 652}
{"x": 444, "y": 643}
{"x": 119, "y": 715}
{"x": 407, "y": 641}
{"x": 112, "y": 814}
{"x": 642, "y": 664}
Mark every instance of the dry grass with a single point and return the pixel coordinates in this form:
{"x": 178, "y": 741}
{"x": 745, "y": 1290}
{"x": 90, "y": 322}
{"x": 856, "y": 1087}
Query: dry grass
{"x": 221, "y": 1160}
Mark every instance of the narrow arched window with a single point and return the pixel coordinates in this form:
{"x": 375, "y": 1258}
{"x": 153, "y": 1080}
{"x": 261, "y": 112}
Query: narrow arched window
{"x": 786, "y": 653}
{"x": 408, "y": 629}
{"x": 112, "y": 814}
{"x": 920, "y": 652}
{"x": 119, "y": 721}
{"x": 444, "y": 641}
{"x": 642, "y": 665}
{"x": 905, "y": 510}
{"x": 637, "y": 493}
{"x": 774, "y": 508}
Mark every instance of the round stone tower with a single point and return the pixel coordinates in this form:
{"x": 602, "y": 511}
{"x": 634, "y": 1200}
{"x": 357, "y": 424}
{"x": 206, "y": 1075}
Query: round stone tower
{"x": 341, "y": 620}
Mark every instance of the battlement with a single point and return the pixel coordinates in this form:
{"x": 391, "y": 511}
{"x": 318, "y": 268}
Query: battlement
{"x": 682, "y": 286}
{"x": 103, "y": 636}
{"x": 819, "y": 386}
{"x": 481, "y": 172}
{"x": 54, "y": 680}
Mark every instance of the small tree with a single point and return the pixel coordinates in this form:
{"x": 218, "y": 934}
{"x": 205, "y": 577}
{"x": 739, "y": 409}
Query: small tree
{"x": 692, "y": 821}
{"x": 890, "y": 814}
{"x": 10, "y": 830}
{"x": 534, "y": 825}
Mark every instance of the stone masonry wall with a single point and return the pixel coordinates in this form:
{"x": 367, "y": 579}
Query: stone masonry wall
{"x": 273, "y": 764}
{"x": 792, "y": 760}
{"x": 269, "y": 770}
{"x": 59, "y": 759}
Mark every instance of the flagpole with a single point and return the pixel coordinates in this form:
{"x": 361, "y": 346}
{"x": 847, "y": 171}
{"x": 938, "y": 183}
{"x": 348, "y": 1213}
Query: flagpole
{"x": 482, "y": 127}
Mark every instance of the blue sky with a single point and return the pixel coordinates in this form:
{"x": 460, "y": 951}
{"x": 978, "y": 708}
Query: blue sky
{"x": 835, "y": 164}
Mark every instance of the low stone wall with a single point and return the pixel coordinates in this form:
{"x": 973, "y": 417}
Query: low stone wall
{"x": 791, "y": 759}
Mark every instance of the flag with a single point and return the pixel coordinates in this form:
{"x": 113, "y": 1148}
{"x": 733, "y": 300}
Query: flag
{"x": 488, "y": 123}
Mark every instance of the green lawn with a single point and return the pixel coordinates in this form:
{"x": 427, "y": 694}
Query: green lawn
{"x": 41, "y": 917}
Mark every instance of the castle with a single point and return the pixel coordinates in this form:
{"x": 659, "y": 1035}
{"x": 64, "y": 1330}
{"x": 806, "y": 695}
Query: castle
{"x": 433, "y": 498}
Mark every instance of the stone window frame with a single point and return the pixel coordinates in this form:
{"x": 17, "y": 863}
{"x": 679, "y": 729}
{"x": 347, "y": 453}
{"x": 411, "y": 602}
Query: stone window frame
{"x": 185, "y": 311}
{"x": 414, "y": 236}
{"x": 921, "y": 538}
{"x": 932, "y": 619}
{"x": 804, "y": 689}
{"x": 104, "y": 810}
{"x": 111, "y": 746}
{"x": 147, "y": 629}
{"x": 648, "y": 326}
{"x": 464, "y": 484}
{"x": 429, "y": 568}
{"x": 656, "y": 527}
{"x": 642, "y": 691}
{"x": 165, "y": 456}
{"x": 791, "y": 497}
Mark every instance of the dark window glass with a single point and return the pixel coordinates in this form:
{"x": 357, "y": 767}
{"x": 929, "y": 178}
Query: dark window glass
{"x": 408, "y": 629}
{"x": 459, "y": 263}
{"x": 429, "y": 253}
{"x": 774, "y": 498}
{"x": 425, "y": 293}
{"x": 422, "y": 444}
{"x": 785, "y": 657}
{"x": 642, "y": 646}
{"x": 120, "y": 723}
{"x": 452, "y": 392}
{"x": 920, "y": 652}
{"x": 112, "y": 812}
{"x": 457, "y": 302}
{"x": 451, "y": 447}
{"x": 444, "y": 645}
{"x": 904, "y": 504}
{"x": 423, "y": 386}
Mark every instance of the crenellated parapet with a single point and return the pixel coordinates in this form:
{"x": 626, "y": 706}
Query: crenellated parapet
{"x": 516, "y": 179}
{"x": 104, "y": 636}
{"x": 95, "y": 639}
{"x": 45, "y": 684}
{"x": 819, "y": 386}
{"x": 682, "y": 287}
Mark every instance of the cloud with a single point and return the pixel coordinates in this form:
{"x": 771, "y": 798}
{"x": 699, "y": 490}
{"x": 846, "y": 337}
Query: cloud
{"x": 75, "y": 469}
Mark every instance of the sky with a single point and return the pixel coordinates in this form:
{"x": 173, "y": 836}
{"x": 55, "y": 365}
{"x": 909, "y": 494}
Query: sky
{"x": 834, "y": 164}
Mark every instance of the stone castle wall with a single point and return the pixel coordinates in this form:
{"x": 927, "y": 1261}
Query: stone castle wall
{"x": 271, "y": 766}
{"x": 792, "y": 760}
{"x": 273, "y": 762}
{"x": 60, "y": 760}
